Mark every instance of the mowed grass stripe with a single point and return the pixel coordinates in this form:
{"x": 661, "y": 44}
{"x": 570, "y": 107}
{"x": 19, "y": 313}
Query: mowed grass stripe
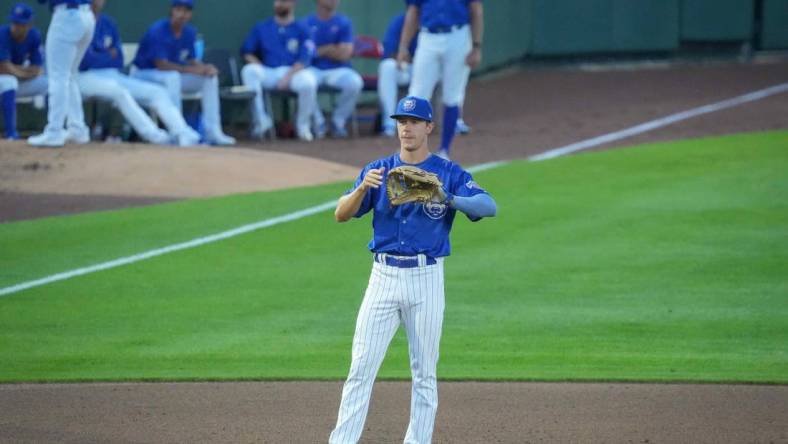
{"x": 659, "y": 263}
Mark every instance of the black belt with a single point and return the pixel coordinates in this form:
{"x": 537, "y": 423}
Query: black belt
{"x": 402, "y": 261}
{"x": 444, "y": 29}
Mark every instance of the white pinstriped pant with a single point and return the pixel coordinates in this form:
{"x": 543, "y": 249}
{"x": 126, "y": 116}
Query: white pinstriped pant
{"x": 413, "y": 297}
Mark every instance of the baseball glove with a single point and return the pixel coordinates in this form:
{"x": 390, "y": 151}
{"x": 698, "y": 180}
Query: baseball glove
{"x": 411, "y": 184}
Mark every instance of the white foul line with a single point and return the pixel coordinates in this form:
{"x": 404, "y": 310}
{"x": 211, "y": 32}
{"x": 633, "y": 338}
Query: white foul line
{"x": 659, "y": 123}
{"x": 596, "y": 141}
{"x": 172, "y": 248}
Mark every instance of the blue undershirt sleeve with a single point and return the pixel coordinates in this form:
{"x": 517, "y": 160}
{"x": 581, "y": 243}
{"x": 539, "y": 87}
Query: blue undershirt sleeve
{"x": 476, "y": 206}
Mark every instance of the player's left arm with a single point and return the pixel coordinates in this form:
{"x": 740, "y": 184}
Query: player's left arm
{"x": 475, "y": 207}
{"x": 342, "y": 50}
{"x": 465, "y": 195}
{"x": 476, "y": 10}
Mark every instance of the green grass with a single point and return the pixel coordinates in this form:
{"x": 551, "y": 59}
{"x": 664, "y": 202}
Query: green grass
{"x": 658, "y": 263}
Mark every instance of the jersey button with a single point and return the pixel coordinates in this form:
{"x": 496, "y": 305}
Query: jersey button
{"x": 404, "y": 221}
{"x": 402, "y": 243}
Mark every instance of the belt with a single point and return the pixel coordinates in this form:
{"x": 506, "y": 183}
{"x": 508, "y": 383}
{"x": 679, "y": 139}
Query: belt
{"x": 70, "y": 5}
{"x": 403, "y": 261}
{"x": 443, "y": 29}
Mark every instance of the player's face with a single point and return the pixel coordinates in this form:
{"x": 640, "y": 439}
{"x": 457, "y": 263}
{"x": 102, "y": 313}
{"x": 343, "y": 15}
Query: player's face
{"x": 180, "y": 15}
{"x": 98, "y": 5}
{"x": 19, "y": 31}
{"x": 328, "y": 4}
{"x": 283, "y": 8}
{"x": 413, "y": 133}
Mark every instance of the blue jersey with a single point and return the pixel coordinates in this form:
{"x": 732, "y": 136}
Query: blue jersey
{"x": 105, "y": 38}
{"x": 441, "y": 15}
{"x": 53, "y": 3}
{"x": 393, "y": 34}
{"x": 337, "y": 29}
{"x": 414, "y": 228}
{"x": 159, "y": 43}
{"x": 20, "y": 53}
{"x": 279, "y": 45}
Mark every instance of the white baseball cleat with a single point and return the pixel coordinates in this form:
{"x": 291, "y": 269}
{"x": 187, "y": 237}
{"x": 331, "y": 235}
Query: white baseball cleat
{"x": 51, "y": 139}
{"x": 305, "y": 134}
{"x": 220, "y": 139}
{"x": 188, "y": 137}
{"x": 462, "y": 127}
{"x": 159, "y": 137}
{"x": 262, "y": 127}
{"x": 79, "y": 136}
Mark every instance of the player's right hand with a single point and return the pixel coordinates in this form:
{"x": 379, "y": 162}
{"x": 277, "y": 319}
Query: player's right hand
{"x": 373, "y": 179}
{"x": 403, "y": 58}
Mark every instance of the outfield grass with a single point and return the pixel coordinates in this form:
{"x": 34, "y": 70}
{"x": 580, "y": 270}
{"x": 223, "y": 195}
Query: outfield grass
{"x": 658, "y": 263}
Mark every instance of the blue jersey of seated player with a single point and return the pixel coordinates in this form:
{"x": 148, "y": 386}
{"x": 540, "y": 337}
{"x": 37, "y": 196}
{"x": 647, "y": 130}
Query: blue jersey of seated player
{"x": 393, "y": 34}
{"x": 105, "y": 38}
{"x": 28, "y": 51}
{"x": 279, "y": 45}
{"x": 415, "y": 228}
{"x": 159, "y": 43}
{"x": 338, "y": 29}
{"x": 442, "y": 14}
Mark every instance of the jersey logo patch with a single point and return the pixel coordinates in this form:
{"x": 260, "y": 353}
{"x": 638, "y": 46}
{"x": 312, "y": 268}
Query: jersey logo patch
{"x": 292, "y": 45}
{"x": 435, "y": 210}
{"x": 472, "y": 185}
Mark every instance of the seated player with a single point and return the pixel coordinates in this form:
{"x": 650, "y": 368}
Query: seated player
{"x": 101, "y": 77}
{"x": 166, "y": 56}
{"x": 333, "y": 37}
{"x": 276, "y": 53}
{"x": 21, "y": 73}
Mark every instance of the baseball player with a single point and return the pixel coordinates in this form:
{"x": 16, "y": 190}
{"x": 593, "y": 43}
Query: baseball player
{"x": 100, "y": 77}
{"x": 21, "y": 74}
{"x": 166, "y": 56}
{"x": 277, "y": 51}
{"x": 333, "y": 36}
{"x": 68, "y": 37}
{"x": 448, "y": 49}
{"x": 392, "y": 76}
{"x": 409, "y": 245}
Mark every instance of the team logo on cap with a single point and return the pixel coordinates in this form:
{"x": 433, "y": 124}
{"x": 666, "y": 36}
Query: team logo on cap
{"x": 19, "y": 10}
{"x": 409, "y": 105}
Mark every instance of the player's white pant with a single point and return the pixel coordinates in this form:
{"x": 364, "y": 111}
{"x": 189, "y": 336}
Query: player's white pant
{"x": 260, "y": 77}
{"x": 349, "y": 83}
{"x": 67, "y": 40}
{"x": 442, "y": 57}
{"x": 127, "y": 94}
{"x": 177, "y": 83}
{"x": 413, "y": 297}
{"x": 390, "y": 78}
{"x": 36, "y": 86}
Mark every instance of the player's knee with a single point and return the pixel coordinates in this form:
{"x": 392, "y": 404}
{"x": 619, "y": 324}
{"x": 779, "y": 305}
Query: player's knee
{"x": 304, "y": 82}
{"x": 8, "y": 83}
{"x": 251, "y": 75}
{"x": 387, "y": 66}
{"x": 355, "y": 83}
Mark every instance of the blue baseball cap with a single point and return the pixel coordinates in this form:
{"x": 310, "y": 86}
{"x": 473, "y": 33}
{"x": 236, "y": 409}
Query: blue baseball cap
{"x": 412, "y": 106}
{"x": 188, "y": 3}
{"x": 21, "y": 14}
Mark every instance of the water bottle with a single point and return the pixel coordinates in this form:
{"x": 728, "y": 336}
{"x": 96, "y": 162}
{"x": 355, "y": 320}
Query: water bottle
{"x": 199, "y": 48}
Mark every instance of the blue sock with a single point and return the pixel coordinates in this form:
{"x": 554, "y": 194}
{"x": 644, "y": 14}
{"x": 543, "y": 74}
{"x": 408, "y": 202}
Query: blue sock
{"x": 8, "y": 100}
{"x": 450, "y": 114}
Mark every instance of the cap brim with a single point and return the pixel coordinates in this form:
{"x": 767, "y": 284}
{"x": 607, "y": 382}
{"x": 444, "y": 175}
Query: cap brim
{"x": 415, "y": 116}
